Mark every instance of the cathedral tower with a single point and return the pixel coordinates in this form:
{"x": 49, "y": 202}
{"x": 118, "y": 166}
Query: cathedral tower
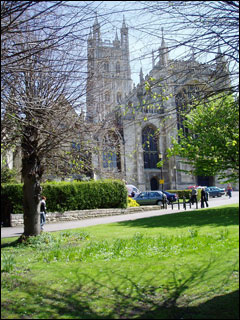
{"x": 109, "y": 74}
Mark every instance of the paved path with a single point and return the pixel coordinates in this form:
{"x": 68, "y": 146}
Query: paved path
{"x": 213, "y": 202}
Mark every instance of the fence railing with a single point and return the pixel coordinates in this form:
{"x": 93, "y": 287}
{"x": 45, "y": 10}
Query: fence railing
{"x": 184, "y": 203}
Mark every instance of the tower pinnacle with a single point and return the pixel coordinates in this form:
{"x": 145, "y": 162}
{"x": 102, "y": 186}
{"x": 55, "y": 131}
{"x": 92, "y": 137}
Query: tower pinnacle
{"x": 163, "y": 51}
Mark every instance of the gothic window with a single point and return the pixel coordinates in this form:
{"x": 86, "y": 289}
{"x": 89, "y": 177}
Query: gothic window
{"x": 181, "y": 105}
{"x": 108, "y": 108}
{"x": 117, "y": 67}
{"x": 111, "y": 152}
{"x": 107, "y": 96}
{"x": 109, "y": 160}
{"x": 150, "y": 148}
{"x": 184, "y": 99}
{"x": 119, "y": 97}
{"x": 106, "y": 66}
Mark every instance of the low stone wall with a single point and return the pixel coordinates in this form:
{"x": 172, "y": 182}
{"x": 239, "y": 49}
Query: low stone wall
{"x": 17, "y": 219}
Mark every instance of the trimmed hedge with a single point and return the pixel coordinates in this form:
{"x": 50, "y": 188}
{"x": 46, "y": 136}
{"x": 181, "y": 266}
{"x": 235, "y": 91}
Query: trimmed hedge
{"x": 68, "y": 196}
{"x": 12, "y": 196}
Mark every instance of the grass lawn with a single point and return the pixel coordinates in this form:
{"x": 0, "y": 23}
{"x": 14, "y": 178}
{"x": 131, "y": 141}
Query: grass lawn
{"x": 178, "y": 266}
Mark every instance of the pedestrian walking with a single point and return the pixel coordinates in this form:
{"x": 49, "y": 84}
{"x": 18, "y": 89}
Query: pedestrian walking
{"x": 229, "y": 190}
{"x": 43, "y": 212}
{"x": 193, "y": 196}
{"x": 204, "y": 198}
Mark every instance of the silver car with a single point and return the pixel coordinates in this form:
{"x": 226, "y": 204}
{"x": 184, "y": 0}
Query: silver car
{"x": 151, "y": 197}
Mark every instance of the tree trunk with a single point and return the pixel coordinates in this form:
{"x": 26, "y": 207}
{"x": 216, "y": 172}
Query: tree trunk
{"x": 31, "y": 175}
{"x": 31, "y": 198}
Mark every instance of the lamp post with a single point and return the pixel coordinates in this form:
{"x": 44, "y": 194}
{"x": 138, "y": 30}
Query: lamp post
{"x": 175, "y": 175}
{"x": 161, "y": 156}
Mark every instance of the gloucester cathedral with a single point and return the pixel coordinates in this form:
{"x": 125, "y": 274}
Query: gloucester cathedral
{"x": 135, "y": 124}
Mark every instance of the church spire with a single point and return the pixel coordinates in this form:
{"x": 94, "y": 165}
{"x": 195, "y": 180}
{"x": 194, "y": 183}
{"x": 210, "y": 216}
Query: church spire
{"x": 96, "y": 20}
{"x": 163, "y": 41}
{"x": 124, "y": 36}
{"x": 96, "y": 29}
{"x": 163, "y": 52}
{"x": 116, "y": 42}
{"x": 141, "y": 76}
{"x": 124, "y": 23}
{"x": 90, "y": 35}
{"x": 220, "y": 60}
{"x": 116, "y": 36}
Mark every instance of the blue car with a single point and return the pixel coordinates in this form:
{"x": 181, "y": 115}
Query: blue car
{"x": 222, "y": 189}
{"x": 171, "y": 197}
{"x": 214, "y": 192}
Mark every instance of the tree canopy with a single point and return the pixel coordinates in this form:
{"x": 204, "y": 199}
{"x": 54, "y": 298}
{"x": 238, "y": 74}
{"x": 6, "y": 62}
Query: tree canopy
{"x": 211, "y": 144}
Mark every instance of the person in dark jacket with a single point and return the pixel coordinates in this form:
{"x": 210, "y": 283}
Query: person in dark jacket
{"x": 43, "y": 212}
{"x": 229, "y": 191}
{"x": 193, "y": 196}
{"x": 204, "y": 198}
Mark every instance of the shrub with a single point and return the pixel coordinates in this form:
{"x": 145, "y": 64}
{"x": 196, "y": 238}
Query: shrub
{"x": 63, "y": 196}
{"x": 12, "y": 196}
{"x": 85, "y": 195}
{"x": 132, "y": 202}
{"x": 9, "y": 175}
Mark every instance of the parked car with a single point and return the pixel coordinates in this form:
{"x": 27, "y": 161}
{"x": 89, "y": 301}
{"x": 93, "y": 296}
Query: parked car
{"x": 131, "y": 188}
{"x": 171, "y": 197}
{"x": 151, "y": 197}
{"x": 222, "y": 189}
{"x": 214, "y": 192}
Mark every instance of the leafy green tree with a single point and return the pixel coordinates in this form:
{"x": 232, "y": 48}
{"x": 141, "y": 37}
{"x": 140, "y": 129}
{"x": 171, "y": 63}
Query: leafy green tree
{"x": 8, "y": 175}
{"x": 211, "y": 144}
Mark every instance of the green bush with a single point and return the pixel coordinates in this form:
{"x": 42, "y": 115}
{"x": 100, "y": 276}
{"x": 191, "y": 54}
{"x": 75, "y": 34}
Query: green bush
{"x": 13, "y": 194}
{"x": 64, "y": 196}
{"x": 9, "y": 175}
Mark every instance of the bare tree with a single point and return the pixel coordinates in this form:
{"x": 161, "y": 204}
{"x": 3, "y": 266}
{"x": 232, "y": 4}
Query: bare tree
{"x": 44, "y": 119}
{"x": 43, "y": 74}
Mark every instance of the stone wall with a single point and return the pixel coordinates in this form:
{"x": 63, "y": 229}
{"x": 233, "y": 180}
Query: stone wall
{"x": 17, "y": 219}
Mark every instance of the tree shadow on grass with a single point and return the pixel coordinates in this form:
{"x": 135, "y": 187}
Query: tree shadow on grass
{"x": 10, "y": 243}
{"x": 225, "y": 216}
{"x": 114, "y": 294}
{"x": 227, "y": 307}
